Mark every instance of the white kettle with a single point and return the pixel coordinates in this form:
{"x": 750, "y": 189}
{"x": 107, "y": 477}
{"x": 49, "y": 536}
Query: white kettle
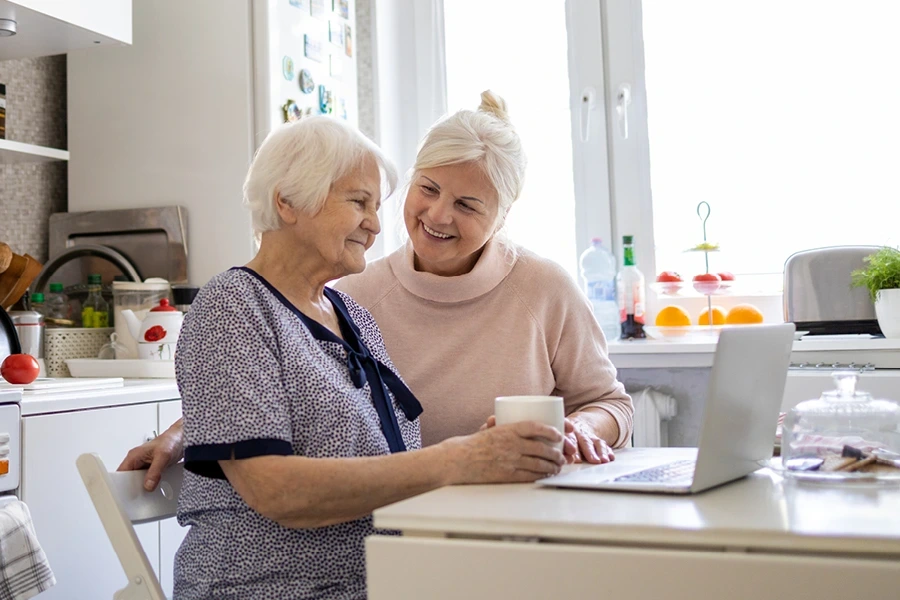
{"x": 157, "y": 334}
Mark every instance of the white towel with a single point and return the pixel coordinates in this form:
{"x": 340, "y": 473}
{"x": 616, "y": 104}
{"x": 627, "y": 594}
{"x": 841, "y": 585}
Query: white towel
{"x": 24, "y": 570}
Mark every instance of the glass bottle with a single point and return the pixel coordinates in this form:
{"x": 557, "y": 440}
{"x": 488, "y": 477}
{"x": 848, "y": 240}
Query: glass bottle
{"x": 95, "y": 310}
{"x": 630, "y": 287}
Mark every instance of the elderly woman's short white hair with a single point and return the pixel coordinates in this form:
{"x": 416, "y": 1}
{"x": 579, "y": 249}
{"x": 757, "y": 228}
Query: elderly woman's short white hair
{"x": 485, "y": 137}
{"x": 301, "y": 161}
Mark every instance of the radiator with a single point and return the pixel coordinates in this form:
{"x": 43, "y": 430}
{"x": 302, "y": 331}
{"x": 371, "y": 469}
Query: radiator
{"x": 652, "y": 411}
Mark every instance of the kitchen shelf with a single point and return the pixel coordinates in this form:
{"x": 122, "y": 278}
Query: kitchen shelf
{"x": 18, "y": 152}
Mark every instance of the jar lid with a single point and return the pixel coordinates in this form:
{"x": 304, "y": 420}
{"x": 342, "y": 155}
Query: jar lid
{"x": 26, "y": 317}
{"x": 56, "y": 288}
{"x": 154, "y": 284}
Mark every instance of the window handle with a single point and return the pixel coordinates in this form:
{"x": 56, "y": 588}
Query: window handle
{"x": 588, "y": 103}
{"x": 623, "y": 101}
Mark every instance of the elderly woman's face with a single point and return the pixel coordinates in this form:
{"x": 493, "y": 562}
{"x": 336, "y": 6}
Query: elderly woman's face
{"x": 346, "y": 226}
{"x": 450, "y": 213}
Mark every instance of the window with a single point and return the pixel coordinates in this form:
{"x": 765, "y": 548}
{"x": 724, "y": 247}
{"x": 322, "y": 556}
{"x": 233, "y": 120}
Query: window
{"x": 522, "y": 55}
{"x": 781, "y": 115}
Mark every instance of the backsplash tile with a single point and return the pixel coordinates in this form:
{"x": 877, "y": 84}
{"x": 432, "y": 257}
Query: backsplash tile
{"x": 35, "y": 114}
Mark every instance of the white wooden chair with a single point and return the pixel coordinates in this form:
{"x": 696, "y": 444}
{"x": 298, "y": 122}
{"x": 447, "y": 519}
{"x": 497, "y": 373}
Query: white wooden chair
{"x": 121, "y": 502}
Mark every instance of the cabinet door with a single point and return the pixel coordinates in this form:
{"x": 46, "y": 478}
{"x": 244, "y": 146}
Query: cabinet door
{"x": 65, "y": 521}
{"x": 170, "y": 532}
{"x": 108, "y": 18}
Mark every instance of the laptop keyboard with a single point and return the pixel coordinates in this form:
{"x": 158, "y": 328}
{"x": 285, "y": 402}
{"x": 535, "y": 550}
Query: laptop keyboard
{"x": 673, "y": 472}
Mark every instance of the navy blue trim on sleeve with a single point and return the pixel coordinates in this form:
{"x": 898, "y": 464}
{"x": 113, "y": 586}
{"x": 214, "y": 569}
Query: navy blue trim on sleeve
{"x": 204, "y": 459}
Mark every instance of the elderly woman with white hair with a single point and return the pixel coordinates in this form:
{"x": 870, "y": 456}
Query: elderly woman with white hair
{"x": 467, "y": 315}
{"x": 296, "y": 423}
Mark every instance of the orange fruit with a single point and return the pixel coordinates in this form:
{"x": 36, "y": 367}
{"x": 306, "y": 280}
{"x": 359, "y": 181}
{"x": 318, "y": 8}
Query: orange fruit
{"x": 743, "y": 314}
{"x": 718, "y": 316}
{"x": 673, "y": 316}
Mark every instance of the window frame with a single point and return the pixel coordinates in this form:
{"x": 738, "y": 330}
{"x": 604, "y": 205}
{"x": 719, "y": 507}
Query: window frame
{"x": 411, "y": 93}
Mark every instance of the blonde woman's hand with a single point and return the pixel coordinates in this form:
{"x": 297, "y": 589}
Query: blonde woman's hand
{"x": 584, "y": 445}
{"x": 516, "y": 452}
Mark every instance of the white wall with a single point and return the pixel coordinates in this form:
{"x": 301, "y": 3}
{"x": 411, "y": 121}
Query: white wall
{"x": 168, "y": 121}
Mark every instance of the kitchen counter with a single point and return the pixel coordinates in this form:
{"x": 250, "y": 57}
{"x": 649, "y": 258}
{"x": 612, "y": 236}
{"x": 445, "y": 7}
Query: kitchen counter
{"x": 134, "y": 391}
{"x": 698, "y": 352}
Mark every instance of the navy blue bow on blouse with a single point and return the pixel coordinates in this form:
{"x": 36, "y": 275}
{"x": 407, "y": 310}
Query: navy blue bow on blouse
{"x": 363, "y": 368}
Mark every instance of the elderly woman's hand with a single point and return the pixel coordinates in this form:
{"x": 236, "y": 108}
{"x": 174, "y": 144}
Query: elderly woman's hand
{"x": 584, "y": 445}
{"x": 516, "y": 452}
{"x": 159, "y": 453}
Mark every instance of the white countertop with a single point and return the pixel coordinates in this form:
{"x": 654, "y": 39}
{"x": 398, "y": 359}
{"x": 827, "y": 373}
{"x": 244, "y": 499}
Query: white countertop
{"x": 698, "y": 352}
{"x": 133, "y": 391}
{"x": 762, "y": 512}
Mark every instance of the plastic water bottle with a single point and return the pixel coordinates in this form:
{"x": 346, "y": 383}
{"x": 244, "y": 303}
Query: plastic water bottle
{"x": 598, "y": 271}
{"x": 37, "y": 303}
{"x": 57, "y": 303}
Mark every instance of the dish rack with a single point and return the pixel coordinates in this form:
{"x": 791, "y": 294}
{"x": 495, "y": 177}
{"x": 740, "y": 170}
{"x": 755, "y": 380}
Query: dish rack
{"x": 62, "y": 343}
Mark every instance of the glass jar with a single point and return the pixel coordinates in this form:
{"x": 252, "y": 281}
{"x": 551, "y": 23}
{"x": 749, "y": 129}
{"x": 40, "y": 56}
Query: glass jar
{"x": 138, "y": 297}
{"x": 844, "y": 434}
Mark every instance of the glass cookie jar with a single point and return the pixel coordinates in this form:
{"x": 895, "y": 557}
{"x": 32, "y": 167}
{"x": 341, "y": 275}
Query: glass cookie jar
{"x": 843, "y": 435}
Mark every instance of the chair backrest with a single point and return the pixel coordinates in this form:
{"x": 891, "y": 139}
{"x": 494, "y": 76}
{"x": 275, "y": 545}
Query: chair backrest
{"x": 121, "y": 502}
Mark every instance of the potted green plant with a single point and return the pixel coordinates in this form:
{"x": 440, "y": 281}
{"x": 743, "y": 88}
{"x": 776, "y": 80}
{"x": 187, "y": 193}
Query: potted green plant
{"x": 882, "y": 278}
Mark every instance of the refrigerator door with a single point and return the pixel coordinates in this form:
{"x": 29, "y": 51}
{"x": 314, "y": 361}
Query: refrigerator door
{"x": 305, "y": 61}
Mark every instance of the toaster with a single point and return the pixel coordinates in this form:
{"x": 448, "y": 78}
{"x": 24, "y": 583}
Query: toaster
{"x": 819, "y": 297}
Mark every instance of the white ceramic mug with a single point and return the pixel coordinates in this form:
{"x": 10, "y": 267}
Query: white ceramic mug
{"x": 543, "y": 409}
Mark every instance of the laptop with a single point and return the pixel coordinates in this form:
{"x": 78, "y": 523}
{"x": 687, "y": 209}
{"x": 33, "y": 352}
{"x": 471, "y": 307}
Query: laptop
{"x": 746, "y": 387}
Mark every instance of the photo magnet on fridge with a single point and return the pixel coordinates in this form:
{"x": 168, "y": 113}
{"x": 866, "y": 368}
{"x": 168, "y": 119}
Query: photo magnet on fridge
{"x": 342, "y": 7}
{"x": 336, "y": 66}
{"x": 336, "y": 32}
{"x": 317, "y": 8}
{"x": 305, "y": 79}
{"x": 348, "y": 41}
{"x": 312, "y": 48}
{"x": 287, "y": 68}
{"x": 301, "y": 4}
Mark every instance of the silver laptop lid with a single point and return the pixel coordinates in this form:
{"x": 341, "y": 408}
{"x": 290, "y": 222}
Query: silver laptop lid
{"x": 747, "y": 382}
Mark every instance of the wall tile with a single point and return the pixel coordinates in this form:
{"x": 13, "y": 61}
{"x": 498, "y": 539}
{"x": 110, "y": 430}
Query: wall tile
{"x": 35, "y": 114}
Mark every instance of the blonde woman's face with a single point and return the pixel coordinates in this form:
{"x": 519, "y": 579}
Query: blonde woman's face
{"x": 450, "y": 213}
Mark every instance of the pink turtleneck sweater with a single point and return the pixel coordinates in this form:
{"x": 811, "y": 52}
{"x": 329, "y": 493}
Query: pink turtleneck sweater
{"x": 511, "y": 326}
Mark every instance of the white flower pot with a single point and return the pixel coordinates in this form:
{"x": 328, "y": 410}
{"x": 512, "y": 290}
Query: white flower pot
{"x": 887, "y": 309}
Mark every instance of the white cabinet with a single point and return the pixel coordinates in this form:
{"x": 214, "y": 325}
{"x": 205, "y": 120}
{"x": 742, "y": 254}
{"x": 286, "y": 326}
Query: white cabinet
{"x": 64, "y": 518}
{"x": 47, "y": 27}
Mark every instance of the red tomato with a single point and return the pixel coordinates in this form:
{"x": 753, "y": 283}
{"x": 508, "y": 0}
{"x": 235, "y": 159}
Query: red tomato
{"x": 707, "y": 283}
{"x": 726, "y": 275}
{"x": 668, "y": 277}
{"x": 20, "y": 368}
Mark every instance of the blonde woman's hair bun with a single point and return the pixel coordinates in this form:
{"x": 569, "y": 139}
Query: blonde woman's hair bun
{"x": 494, "y": 104}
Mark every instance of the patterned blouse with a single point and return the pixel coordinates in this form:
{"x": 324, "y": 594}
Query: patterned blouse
{"x": 257, "y": 377}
